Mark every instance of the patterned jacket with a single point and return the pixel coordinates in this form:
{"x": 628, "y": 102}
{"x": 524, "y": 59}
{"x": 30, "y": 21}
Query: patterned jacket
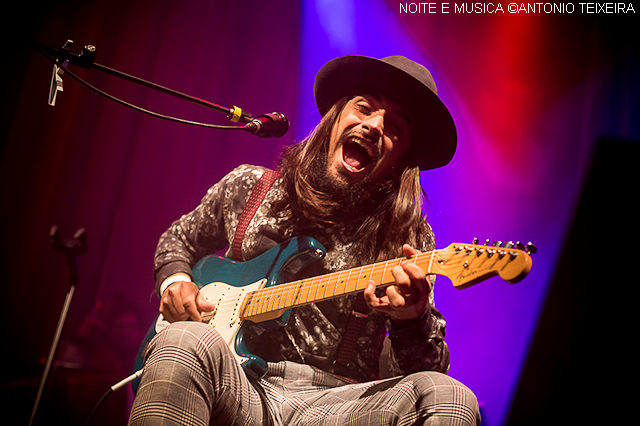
{"x": 313, "y": 332}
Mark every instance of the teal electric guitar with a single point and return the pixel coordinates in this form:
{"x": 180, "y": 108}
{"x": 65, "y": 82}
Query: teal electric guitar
{"x": 254, "y": 290}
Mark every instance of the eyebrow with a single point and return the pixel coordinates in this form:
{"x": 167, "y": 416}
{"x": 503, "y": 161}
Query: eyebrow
{"x": 391, "y": 106}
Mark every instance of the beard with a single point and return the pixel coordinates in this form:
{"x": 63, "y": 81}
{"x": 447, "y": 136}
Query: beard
{"x": 352, "y": 201}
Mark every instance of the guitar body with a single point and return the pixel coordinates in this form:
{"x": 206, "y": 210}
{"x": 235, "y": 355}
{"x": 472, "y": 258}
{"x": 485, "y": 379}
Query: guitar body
{"x": 227, "y": 283}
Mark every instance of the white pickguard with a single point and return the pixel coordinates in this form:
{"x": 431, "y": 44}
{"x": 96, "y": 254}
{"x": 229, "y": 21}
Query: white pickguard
{"x": 226, "y": 317}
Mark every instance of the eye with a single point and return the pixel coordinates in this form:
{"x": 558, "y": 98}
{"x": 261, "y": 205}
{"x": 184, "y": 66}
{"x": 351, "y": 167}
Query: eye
{"x": 395, "y": 128}
{"x": 364, "y": 107}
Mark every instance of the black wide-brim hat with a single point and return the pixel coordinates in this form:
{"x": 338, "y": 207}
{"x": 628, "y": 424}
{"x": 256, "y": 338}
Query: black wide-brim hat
{"x": 407, "y": 83}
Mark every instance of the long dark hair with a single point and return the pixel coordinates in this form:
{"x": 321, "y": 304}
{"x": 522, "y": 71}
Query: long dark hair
{"x": 379, "y": 218}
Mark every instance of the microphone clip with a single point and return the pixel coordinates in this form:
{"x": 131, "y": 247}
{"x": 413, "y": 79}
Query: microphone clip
{"x": 84, "y": 59}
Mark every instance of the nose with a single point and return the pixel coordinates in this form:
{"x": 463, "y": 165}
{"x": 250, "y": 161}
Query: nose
{"x": 374, "y": 124}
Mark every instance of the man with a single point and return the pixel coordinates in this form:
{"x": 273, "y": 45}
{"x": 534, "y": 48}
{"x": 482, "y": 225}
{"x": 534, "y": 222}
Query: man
{"x": 353, "y": 185}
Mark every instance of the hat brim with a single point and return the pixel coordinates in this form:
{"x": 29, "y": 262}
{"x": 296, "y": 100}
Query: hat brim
{"x": 434, "y": 137}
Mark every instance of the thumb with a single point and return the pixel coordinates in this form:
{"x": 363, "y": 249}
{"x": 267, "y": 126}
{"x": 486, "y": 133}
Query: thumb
{"x": 203, "y": 304}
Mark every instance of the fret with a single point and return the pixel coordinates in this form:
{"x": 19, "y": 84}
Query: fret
{"x": 422, "y": 258}
{"x": 247, "y": 305}
{"x": 297, "y": 293}
{"x": 374, "y": 275}
{"x": 285, "y": 292}
{"x": 352, "y": 289}
{"x": 383, "y": 272}
{"x": 318, "y": 285}
{"x": 341, "y": 284}
{"x": 332, "y": 289}
{"x": 326, "y": 287}
{"x": 293, "y": 293}
{"x": 304, "y": 293}
{"x": 286, "y": 295}
{"x": 371, "y": 276}
{"x": 267, "y": 301}
{"x": 255, "y": 303}
{"x": 278, "y": 298}
{"x": 261, "y": 296}
{"x": 259, "y": 300}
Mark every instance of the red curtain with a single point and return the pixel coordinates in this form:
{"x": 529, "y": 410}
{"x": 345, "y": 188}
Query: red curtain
{"x": 122, "y": 175}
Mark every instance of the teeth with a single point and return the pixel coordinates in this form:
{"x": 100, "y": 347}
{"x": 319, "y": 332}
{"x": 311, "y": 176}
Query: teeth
{"x": 365, "y": 145}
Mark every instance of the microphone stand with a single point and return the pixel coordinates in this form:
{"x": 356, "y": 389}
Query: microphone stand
{"x": 71, "y": 249}
{"x": 86, "y": 59}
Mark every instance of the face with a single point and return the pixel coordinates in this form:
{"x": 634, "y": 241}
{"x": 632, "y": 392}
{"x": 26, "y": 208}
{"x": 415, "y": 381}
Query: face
{"x": 370, "y": 137}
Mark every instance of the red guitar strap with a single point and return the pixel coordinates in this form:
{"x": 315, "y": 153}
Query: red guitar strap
{"x": 360, "y": 309}
{"x": 254, "y": 201}
{"x": 352, "y": 331}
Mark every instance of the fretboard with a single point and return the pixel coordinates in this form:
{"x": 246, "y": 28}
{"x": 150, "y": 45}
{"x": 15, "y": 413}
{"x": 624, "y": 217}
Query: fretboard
{"x": 323, "y": 287}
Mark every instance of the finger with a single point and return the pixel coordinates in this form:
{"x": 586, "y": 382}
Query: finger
{"x": 373, "y": 301}
{"x": 417, "y": 278}
{"x": 370, "y": 293}
{"x": 402, "y": 280}
{"x": 192, "y": 311}
{"x": 409, "y": 251}
{"x": 169, "y": 310}
{"x": 189, "y": 293}
{"x": 395, "y": 296}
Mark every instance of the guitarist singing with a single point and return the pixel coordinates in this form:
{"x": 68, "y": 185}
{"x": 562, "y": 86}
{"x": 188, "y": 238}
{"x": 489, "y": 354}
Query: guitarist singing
{"x": 354, "y": 186}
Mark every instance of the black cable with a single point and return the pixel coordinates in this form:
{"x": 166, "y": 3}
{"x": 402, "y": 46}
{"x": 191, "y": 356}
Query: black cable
{"x": 135, "y": 107}
{"x": 112, "y": 389}
{"x": 95, "y": 409}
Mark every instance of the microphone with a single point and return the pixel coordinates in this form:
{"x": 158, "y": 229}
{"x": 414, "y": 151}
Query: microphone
{"x": 272, "y": 125}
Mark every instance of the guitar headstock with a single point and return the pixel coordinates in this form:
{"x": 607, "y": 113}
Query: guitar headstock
{"x": 469, "y": 264}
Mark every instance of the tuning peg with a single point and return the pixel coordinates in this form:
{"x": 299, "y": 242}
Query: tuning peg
{"x": 530, "y": 248}
{"x": 508, "y": 244}
{"x": 486, "y": 242}
{"x": 497, "y": 243}
{"x": 475, "y": 240}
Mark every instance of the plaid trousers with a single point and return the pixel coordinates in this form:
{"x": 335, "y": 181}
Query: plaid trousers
{"x": 192, "y": 378}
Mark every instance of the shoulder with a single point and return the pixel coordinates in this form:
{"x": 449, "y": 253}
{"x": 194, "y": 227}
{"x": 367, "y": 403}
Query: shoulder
{"x": 238, "y": 183}
{"x": 240, "y": 180}
{"x": 245, "y": 174}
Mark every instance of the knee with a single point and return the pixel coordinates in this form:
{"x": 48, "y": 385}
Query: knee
{"x": 193, "y": 338}
{"x": 444, "y": 397}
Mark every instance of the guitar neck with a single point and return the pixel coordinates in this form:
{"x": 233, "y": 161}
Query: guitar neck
{"x": 464, "y": 264}
{"x": 324, "y": 287}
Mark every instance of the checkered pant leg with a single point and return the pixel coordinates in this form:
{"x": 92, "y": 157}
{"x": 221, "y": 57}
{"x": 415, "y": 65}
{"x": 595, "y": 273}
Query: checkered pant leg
{"x": 192, "y": 378}
{"x": 442, "y": 401}
{"x": 306, "y": 396}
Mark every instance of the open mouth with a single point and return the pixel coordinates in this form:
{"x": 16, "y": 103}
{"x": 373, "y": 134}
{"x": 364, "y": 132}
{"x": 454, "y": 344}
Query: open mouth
{"x": 357, "y": 154}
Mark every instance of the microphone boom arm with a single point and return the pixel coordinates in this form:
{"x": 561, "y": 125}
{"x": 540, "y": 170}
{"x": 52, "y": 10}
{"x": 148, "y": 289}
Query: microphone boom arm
{"x": 86, "y": 59}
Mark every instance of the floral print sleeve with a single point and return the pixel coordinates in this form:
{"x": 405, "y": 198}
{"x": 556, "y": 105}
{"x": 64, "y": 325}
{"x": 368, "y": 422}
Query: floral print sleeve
{"x": 208, "y": 228}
